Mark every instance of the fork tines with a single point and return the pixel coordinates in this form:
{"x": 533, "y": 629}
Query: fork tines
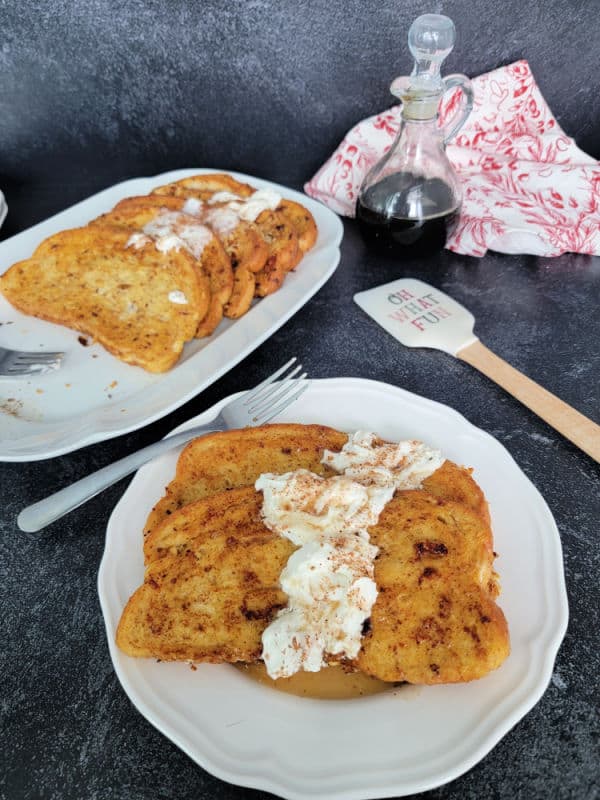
{"x": 272, "y": 396}
{"x": 22, "y": 362}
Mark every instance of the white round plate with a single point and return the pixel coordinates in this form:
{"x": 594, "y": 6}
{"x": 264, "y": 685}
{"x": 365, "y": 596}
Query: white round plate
{"x": 95, "y": 396}
{"x": 405, "y": 741}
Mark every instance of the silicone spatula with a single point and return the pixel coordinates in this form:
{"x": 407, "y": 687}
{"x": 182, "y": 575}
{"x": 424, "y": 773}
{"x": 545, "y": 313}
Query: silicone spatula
{"x": 418, "y": 315}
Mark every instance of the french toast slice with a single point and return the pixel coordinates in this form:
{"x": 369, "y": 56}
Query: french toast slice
{"x": 435, "y": 619}
{"x": 284, "y": 252}
{"x": 234, "y": 509}
{"x": 242, "y": 240}
{"x": 303, "y": 223}
{"x": 136, "y": 213}
{"x": 204, "y": 186}
{"x": 210, "y": 603}
{"x": 230, "y": 459}
{"x": 212, "y": 587}
{"x": 244, "y": 283}
{"x": 140, "y": 304}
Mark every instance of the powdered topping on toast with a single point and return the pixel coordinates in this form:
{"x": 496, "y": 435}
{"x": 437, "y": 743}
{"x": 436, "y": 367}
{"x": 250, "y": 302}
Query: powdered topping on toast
{"x": 222, "y": 219}
{"x": 192, "y": 206}
{"x": 248, "y": 208}
{"x": 172, "y": 230}
{"x": 178, "y": 297}
{"x": 329, "y": 581}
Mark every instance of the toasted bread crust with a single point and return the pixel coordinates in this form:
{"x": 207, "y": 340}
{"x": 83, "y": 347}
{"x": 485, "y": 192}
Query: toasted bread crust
{"x": 210, "y": 322}
{"x": 302, "y": 222}
{"x": 205, "y": 186}
{"x": 242, "y": 294}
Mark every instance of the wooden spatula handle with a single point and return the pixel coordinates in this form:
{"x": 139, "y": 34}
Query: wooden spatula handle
{"x": 566, "y": 420}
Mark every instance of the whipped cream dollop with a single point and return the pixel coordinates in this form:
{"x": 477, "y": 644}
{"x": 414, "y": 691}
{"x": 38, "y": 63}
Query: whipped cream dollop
{"x": 403, "y": 465}
{"x": 173, "y": 230}
{"x": 303, "y": 506}
{"x": 329, "y": 580}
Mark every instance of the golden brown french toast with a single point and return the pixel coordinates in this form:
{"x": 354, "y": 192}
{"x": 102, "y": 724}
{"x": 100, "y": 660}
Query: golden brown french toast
{"x": 435, "y": 619}
{"x": 230, "y": 459}
{"x": 140, "y": 304}
{"x": 302, "y": 222}
{"x": 207, "y": 604}
{"x": 212, "y": 587}
{"x": 136, "y": 213}
{"x": 284, "y": 252}
{"x": 204, "y": 186}
{"x": 242, "y": 240}
{"x": 232, "y": 509}
{"x": 244, "y": 243}
{"x": 244, "y": 283}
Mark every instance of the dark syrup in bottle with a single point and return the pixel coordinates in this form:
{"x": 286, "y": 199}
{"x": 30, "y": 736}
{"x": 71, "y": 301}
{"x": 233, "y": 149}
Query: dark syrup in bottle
{"x": 407, "y": 214}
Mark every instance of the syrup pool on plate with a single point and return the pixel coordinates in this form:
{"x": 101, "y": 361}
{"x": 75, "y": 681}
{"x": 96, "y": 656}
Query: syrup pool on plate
{"x": 330, "y": 683}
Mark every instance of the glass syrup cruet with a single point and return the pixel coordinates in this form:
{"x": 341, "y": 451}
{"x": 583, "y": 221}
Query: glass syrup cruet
{"x": 409, "y": 200}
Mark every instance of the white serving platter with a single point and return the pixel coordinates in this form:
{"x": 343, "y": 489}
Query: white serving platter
{"x": 94, "y": 396}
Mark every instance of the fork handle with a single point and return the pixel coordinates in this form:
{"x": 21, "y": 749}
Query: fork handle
{"x": 574, "y": 426}
{"x": 37, "y": 516}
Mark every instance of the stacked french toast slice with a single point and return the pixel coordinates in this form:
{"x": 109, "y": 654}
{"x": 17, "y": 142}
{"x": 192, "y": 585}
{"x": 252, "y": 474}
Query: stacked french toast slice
{"x": 212, "y": 582}
{"x": 161, "y": 269}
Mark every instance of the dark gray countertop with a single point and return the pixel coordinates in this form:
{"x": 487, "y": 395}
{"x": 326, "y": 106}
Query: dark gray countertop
{"x": 69, "y": 730}
{"x": 93, "y": 93}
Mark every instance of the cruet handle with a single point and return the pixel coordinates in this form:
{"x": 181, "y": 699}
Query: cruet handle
{"x": 463, "y": 107}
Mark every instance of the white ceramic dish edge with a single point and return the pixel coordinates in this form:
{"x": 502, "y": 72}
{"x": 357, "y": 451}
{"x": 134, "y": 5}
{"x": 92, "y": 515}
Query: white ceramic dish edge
{"x": 253, "y": 329}
{"x": 381, "y": 781}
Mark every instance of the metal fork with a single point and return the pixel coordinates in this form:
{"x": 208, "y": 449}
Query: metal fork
{"x": 255, "y": 407}
{"x": 16, "y": 363}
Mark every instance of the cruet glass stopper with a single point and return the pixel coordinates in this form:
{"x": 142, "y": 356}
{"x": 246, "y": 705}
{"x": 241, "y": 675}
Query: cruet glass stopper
{"x": 431, "y": 39}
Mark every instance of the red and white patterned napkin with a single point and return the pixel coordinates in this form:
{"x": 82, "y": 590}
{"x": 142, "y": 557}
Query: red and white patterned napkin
{"x": 527, "y": 187}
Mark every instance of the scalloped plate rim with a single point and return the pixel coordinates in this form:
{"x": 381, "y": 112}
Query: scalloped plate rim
{"x": 548, "y": 638}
